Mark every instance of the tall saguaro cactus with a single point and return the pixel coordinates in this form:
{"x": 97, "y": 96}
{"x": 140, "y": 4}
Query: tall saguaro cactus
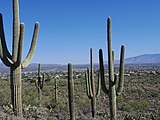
{"x": 39, "y": 83}
{"x": 112, "y": 92}
{"x": 14, "y": 60}
{"x": 71, "y": 92}
{"x": 90, "y": 85}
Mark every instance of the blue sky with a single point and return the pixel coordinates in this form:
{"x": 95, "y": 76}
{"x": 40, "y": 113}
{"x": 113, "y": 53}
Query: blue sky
{"x": 68, "y": 28}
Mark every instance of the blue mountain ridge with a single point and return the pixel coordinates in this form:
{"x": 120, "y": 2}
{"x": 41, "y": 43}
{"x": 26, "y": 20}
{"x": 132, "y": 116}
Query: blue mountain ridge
{"x": 145, "y": 58}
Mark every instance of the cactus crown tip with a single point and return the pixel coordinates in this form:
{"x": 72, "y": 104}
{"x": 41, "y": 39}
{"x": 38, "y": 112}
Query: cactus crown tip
{"x": 37, "y": 24}
{"x": 109, "y": 17}
{"x": 123, "y": 46}
{"x": 22, "y": 24}
{"x": 69, "y": 64}
{"x": 100, "y": 50}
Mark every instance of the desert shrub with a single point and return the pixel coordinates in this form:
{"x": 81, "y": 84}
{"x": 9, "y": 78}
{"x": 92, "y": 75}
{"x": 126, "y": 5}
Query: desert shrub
{"x": 149, "y": 115}
{"x": 83, "y": 102}
{"x": 136, "y": 105}
{"x": 120, "y": 102}
{"x": 56, "y": 105}
{"x": 30, "y": 97}
{"x": 4, "y": 92}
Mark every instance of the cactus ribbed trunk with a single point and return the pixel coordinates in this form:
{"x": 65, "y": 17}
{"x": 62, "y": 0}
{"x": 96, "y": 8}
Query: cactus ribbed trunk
{"x": 71, "y": 92}
{"x": 112, "y": 90}
{"x": 39, "y": 83}
{"x": 93, "y": 98}
{"x": 16, "y": 97}
{"x": 40, "y": 96}
{"x": 56, "y": 90}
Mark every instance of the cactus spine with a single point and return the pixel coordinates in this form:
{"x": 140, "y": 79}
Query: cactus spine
{"x": 14, "y": 60}
{"x": 90, "y": 85}
{"x": 112, "y": 92}
{"x": 39, "y": 83}
{"x": 71, "y": 92}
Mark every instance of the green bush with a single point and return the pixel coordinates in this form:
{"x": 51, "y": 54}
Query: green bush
{"x": 136, "y": 105}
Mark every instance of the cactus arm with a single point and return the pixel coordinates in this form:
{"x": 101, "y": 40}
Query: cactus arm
{"x": 16, "y": 30}
{"x": 27, "y": 60}
{"x": 121, "y": 71}
{"x": 42, "y": 82}
{"x": 99, "y": 85}
{"x": 8, "y": 62}
{"x": 20, "y": 46}
{"x": 3, "y": 41}
{"x": 88, "y": 84}
{"x": 102, "y": 77}
{"x": 36, "y": 84}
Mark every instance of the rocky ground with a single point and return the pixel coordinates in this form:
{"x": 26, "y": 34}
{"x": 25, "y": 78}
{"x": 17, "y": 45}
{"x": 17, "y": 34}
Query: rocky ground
{"x": 140, "y": 100}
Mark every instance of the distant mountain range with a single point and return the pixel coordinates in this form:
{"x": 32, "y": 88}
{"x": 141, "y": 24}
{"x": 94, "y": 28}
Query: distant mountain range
{"x": 141, "y": 59}
{"x": 146, "y": 58}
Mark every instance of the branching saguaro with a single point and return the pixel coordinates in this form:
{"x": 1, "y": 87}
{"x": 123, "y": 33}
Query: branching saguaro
{"x": 39, "y": 83}
{"x": 90, "y": 85}
{"x": 14, "y": 60}
{"x": 112, "y": 92}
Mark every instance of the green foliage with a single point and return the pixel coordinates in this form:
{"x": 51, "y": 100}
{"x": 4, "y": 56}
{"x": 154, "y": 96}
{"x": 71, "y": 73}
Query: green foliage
{"x": 56, "y": 105}
{"x": 136, "y": 105}
{"x": 138, "y": 101}
{"x": 141, "y": 116}
{"x": 4, "y": 91}
{"x": 83, "y": 102}
{"x": 30, "y": 97}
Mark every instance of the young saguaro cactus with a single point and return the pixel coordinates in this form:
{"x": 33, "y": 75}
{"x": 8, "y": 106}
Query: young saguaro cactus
{"x": 55, "y": 89}
{"x": 112, "y": 92}
{"x": 90, "y": 85}
{"x": 14, "y": 60}
{"x": 71, "y": 92}
{"x": 39, "y": 83}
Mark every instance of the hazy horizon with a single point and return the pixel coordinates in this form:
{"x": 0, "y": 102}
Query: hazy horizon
{"x": 68, "y": 29}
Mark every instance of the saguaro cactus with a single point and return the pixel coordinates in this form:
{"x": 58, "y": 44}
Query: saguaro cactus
{"x": 112, "y": 92}
{"x": 55, "y": 90}
{"x": 90, "y": 85}
{"x": 14, "y": 60}
{"x": 39, "y": 83}
{"x": 71, "y": 92}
